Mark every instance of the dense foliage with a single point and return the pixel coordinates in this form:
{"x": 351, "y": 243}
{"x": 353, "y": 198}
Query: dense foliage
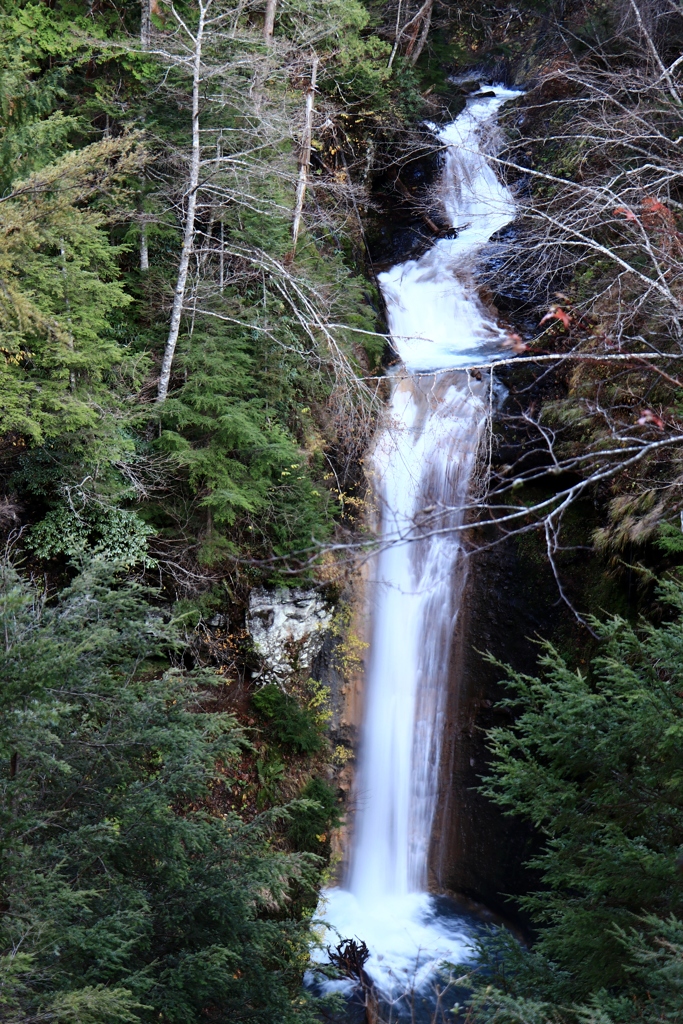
{"x": 595, "y": 761}
{"x": 311, "y": 822}
{"x": 130, "y": 890}
{"x": 96, "y": 166}
{"x": 291, "y": 724}
{"x": 148, "y": 871}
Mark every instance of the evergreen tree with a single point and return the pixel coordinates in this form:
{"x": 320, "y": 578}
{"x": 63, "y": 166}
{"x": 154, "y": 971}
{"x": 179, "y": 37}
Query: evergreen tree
{"x": 130, "y": 890}
{"x": 596, "y": 763}
{"x": 60, "y": 288}
{"x": 97, "y": 139}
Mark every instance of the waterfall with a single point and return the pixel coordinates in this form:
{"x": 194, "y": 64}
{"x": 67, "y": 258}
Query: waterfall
{"x": 421, "y": 464}
{"x": 421, "y": 471}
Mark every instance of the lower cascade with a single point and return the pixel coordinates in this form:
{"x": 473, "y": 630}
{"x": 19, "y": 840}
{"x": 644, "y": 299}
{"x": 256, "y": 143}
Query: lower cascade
{"x": 422, "y": 468}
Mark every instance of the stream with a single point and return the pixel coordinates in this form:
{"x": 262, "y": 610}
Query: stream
{"x": 422, "y": 468}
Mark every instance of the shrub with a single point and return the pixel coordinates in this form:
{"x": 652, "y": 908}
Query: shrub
{"x": 310, "y": 826}
{"x": 290, "y": 723}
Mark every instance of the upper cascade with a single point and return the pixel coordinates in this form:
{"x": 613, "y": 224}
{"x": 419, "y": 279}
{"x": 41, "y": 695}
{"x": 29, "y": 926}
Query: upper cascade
{"x": 435, "y": 317}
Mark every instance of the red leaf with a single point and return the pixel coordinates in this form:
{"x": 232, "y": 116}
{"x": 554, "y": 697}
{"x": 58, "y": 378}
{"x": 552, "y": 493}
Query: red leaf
{"x": 623, "y": 211}
{"x": 652, "y": 205}
{"x": 556, "y": 313}
{"x": 648, "y": 416}
{"x": 516, "y": 343}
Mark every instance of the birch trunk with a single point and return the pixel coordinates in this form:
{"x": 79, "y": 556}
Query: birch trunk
{"x": 397, "y": 35}
{"x": 305, "y": 156}
{"x": 269, "y": 22}
{"x": 145, "y": 24}
{"x": 144, "y": 248}
{"x": 145, "y": 36}
{"x": 188, "y": 235}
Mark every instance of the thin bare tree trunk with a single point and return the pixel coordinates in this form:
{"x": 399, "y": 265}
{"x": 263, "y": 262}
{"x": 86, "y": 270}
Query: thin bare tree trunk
{"x": 426, "y": 25}
{"x": 145, "y": 24}
{"x": 424, "y": 11}
{"x": 145, "y": 35}
{"x": 305, "y": 155}
{"x": 269, "y": 22}
{"x": 397, "y": 35}
{"x": 144, "y": 248}
{"x": 188, "y": 235}
{"x": 221, "y": 257}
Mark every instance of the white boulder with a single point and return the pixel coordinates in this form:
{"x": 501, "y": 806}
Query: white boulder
{"x": 288, "y": 630}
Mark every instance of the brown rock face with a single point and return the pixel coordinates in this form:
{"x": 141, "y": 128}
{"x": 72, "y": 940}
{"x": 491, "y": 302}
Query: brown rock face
{"x": 477, "y": 851}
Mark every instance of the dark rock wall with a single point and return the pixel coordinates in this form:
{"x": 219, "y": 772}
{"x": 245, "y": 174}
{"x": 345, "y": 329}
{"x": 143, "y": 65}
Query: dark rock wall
{"x": 510, "y": 601}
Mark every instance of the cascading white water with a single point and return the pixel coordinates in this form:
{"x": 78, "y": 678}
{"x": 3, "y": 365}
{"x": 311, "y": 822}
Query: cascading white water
{"x": 422, "y": 461}
{"x": 422, "y": 466}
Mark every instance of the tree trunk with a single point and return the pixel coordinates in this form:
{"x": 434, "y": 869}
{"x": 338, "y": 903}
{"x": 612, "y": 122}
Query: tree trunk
{"x": 426, "y": 25}
{"x": 305, "y": 155}
{"x": 144, "y": 248}
{"x": 425, "y": 12}
{"x": 397, "y": 35}
{"x": 145, "y": 35}
{"x": 145, "y": 24}
{"x": 188, "y": 235}
{"x": 269, "y": 22}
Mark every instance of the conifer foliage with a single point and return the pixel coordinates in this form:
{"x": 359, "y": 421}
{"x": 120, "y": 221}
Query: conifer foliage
{"x": 128, "y": 891}
{"x": 146, "y": 198}
{"x": 60, "y": 286}
{"x": 595, "y": 761}
{"x": 149, "y": 154}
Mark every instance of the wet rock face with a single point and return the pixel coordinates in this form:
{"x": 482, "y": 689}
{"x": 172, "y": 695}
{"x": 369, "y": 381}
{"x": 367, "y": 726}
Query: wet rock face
{"x": 288, "y": 628}
{"x": 509, "y": 603}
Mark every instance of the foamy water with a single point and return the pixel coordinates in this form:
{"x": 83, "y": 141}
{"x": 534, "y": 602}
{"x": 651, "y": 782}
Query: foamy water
{"x": 435, "y": 317}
